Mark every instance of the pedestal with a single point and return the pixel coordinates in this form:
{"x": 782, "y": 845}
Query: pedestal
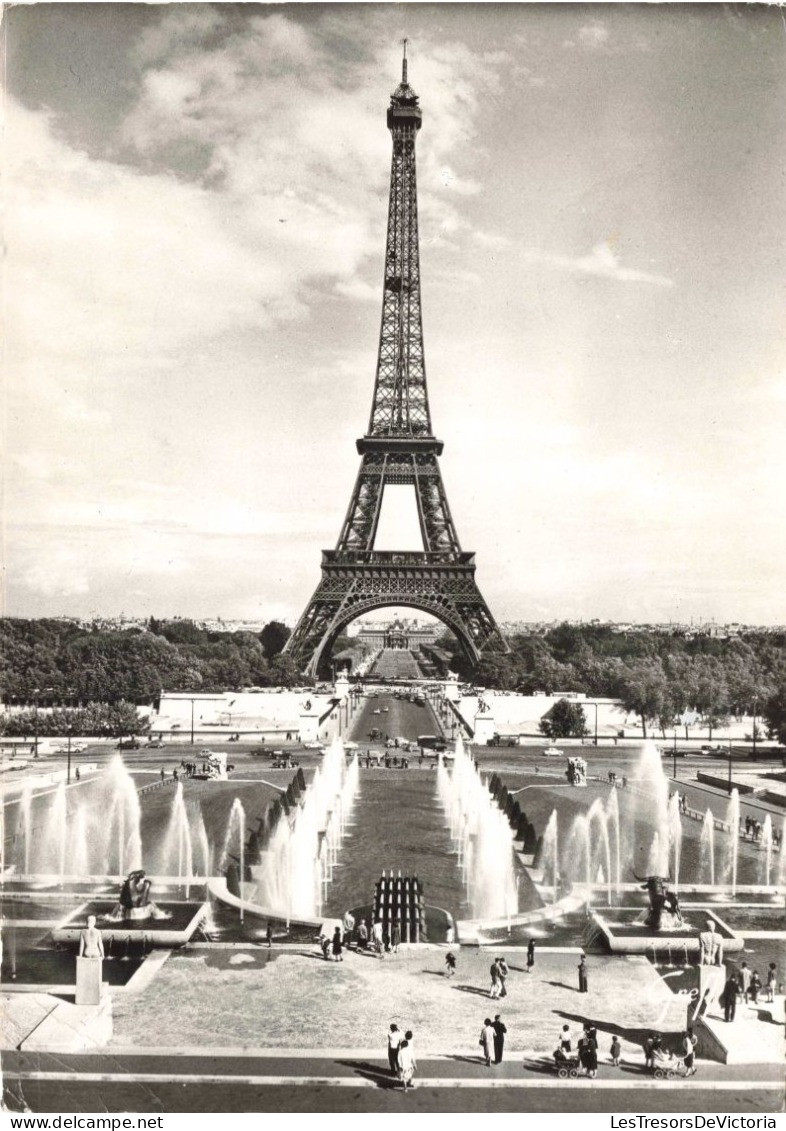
{"x": 308, "y": 724}
{"x": 712, "y": 979}
{"x": 89, "y": 987}
{"x": 483, "y": 729}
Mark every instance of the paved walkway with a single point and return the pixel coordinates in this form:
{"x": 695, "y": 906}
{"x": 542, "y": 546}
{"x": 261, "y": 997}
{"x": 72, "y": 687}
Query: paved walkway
{"x": 267, "y": 1080}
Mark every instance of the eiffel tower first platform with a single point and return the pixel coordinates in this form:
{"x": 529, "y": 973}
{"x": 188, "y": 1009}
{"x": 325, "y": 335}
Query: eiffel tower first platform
{"x": 398, "y": 448}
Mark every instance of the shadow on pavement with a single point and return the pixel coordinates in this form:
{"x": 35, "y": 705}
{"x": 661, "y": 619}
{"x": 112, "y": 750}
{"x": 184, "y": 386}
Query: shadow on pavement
{"x": 376, "y": 1073}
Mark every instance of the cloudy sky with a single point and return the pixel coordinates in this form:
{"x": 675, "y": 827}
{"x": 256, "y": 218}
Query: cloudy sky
{"x": 195, "y": 221}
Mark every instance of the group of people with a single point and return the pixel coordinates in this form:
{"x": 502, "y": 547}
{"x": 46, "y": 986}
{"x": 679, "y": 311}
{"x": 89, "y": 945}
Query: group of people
{"x": 747, "y": 984}
{"x": 492, "y": 1039}
{"x": 754, "y": 829}
{"x": 657, "y": 1055}
{"x": 380, "y": 938}
{"x": 401, "y": 1055}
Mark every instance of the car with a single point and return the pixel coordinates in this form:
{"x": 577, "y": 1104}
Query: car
{"x": 712, "y": 748}
{"x": 377, "y": 712}
{"x": 313, "y": 746}
{"x": 128, "y": 744}
{"x": 553, "y": 752}
{"x": 155, "y": 744}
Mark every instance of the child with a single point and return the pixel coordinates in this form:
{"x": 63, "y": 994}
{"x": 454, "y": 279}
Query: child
{"x": 616, "y": 1050}
{"x": 772, "y": 979}
{"x": 755, "y": 987}
{"x": 450, "y": 964}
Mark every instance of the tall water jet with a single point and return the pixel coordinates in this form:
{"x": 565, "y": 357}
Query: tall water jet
{"x": 78, "y": 851}
{"x": 654, "y": 808}
{"x": 675, "y": 836}
{"x": 579, "y": 855}
{"x": 177, "y": 851}
{"x": 596, "y": 818}
{"x": 236, "y": 833}
{"x": 766, "y": 848}
{"x": 732, "y": 848}
{"x": 551, "y": 854}
{"x": 613, "y": 824}
{"x": 707, "y": 848}
{"x": 24, "y": 829}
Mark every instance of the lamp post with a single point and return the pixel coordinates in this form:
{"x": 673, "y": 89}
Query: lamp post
{"x": 192, "y": 721}
{"x": 729, "y": 764}
{"x": 674, "y": 759}
{"x": 595, "y": 705}
{"x": 755, "y": 702}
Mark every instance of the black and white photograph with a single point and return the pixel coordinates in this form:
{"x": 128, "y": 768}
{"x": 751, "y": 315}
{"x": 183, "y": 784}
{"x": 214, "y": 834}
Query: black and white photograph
{"x": 393, "y": 637}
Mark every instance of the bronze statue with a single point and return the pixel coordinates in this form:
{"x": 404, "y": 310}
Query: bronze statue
{"x": 661, "y": 900}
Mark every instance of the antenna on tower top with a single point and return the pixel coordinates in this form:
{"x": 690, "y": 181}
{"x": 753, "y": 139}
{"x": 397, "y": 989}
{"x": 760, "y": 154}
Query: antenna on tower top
{"x": 405, "y": 41}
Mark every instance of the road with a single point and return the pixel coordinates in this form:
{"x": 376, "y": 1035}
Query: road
{"x": 397, "y": 718}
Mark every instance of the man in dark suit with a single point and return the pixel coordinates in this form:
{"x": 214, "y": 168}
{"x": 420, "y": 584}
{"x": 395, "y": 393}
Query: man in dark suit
{"x": 499, "y": 1038}
{"x": 730, "y": 991}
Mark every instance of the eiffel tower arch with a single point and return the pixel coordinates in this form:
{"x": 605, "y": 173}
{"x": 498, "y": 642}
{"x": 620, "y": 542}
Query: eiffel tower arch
{"x": 399, "y": 447}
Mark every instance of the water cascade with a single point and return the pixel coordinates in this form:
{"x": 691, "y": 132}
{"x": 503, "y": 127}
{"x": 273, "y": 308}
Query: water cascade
{"x": 297, "y": 862}
{"x": 482, "y": 838}
{"x": 235, "y": 838}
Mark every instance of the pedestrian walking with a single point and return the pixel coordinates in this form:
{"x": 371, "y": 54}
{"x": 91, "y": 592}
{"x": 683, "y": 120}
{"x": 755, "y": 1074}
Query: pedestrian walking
{"x": 486, "y": 1041}
{"x": 499, "y": 1037}
{"x": 406, "y": 1063}
{"x": 502, "y": 967}
{"x": 163, "y": 774}
{"x": 362, "y": 935}
{"x": 450, "y": 964}
{"x": 744, "y": 981}
{"x": 395, "y": 937}
{"x": 689, "y": 1043}
{"x": 337, "y": 946}
{"x": 394, "y": 1042}
{"x": 615, "y": 1050}
{"x": 377, "y": 936}
{"x": 649, "y": 1052}
{"x": 583, "y": 982}
{"x": 729, "y": 999}
{"x": 772, "y": 981}
{"x": 530, "y": 955}
{"x": 494, "y": 972}
{"x": 269, "y": 935}
{"x": 565, "y": 1044}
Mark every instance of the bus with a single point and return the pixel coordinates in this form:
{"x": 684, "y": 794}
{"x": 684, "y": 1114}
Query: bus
{"x": 432, "y": 742}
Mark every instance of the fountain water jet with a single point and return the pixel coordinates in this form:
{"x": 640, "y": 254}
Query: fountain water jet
{"x": 707, "y": 848}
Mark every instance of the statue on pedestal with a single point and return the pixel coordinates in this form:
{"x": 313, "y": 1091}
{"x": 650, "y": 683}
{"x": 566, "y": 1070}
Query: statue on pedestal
{"x": 91, "y": 944}
{"x": 711, "y": 946}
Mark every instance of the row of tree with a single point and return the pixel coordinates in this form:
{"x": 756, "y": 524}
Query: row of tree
{"x": 52, "y": 661}
{"x": 657, "y": 676}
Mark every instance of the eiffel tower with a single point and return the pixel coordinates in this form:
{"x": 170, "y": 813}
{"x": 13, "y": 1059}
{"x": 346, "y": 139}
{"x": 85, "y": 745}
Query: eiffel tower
{"x": 399, "y": 447}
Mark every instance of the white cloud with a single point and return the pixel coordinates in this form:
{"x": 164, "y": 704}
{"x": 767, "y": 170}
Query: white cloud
{"x": 601, "y": 262}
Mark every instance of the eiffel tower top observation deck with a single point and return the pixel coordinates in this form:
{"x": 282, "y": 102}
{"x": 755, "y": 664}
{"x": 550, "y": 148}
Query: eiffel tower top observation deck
{"x": 399, "y": 447}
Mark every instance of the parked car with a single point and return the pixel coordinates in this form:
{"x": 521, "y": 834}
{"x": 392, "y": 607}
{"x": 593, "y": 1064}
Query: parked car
{"x": 128, "y": 744}
{"x": 155, "y": 744}
{"x": 553, "y": 752}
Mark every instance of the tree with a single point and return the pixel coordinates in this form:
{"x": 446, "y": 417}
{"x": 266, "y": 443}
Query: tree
{"x": 645, "y": 690}
{"x": 774, "y": 713}
{"x": 274, "y": 636}
{"x": 566, "y": 719}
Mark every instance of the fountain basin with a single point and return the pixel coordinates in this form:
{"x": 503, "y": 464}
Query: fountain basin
{"x": 183, "y": 919}
{"x": 624, "y": 935}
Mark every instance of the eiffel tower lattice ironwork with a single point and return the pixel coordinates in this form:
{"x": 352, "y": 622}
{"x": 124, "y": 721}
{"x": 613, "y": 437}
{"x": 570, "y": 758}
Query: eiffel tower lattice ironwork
{"x": 398, "y": 448}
